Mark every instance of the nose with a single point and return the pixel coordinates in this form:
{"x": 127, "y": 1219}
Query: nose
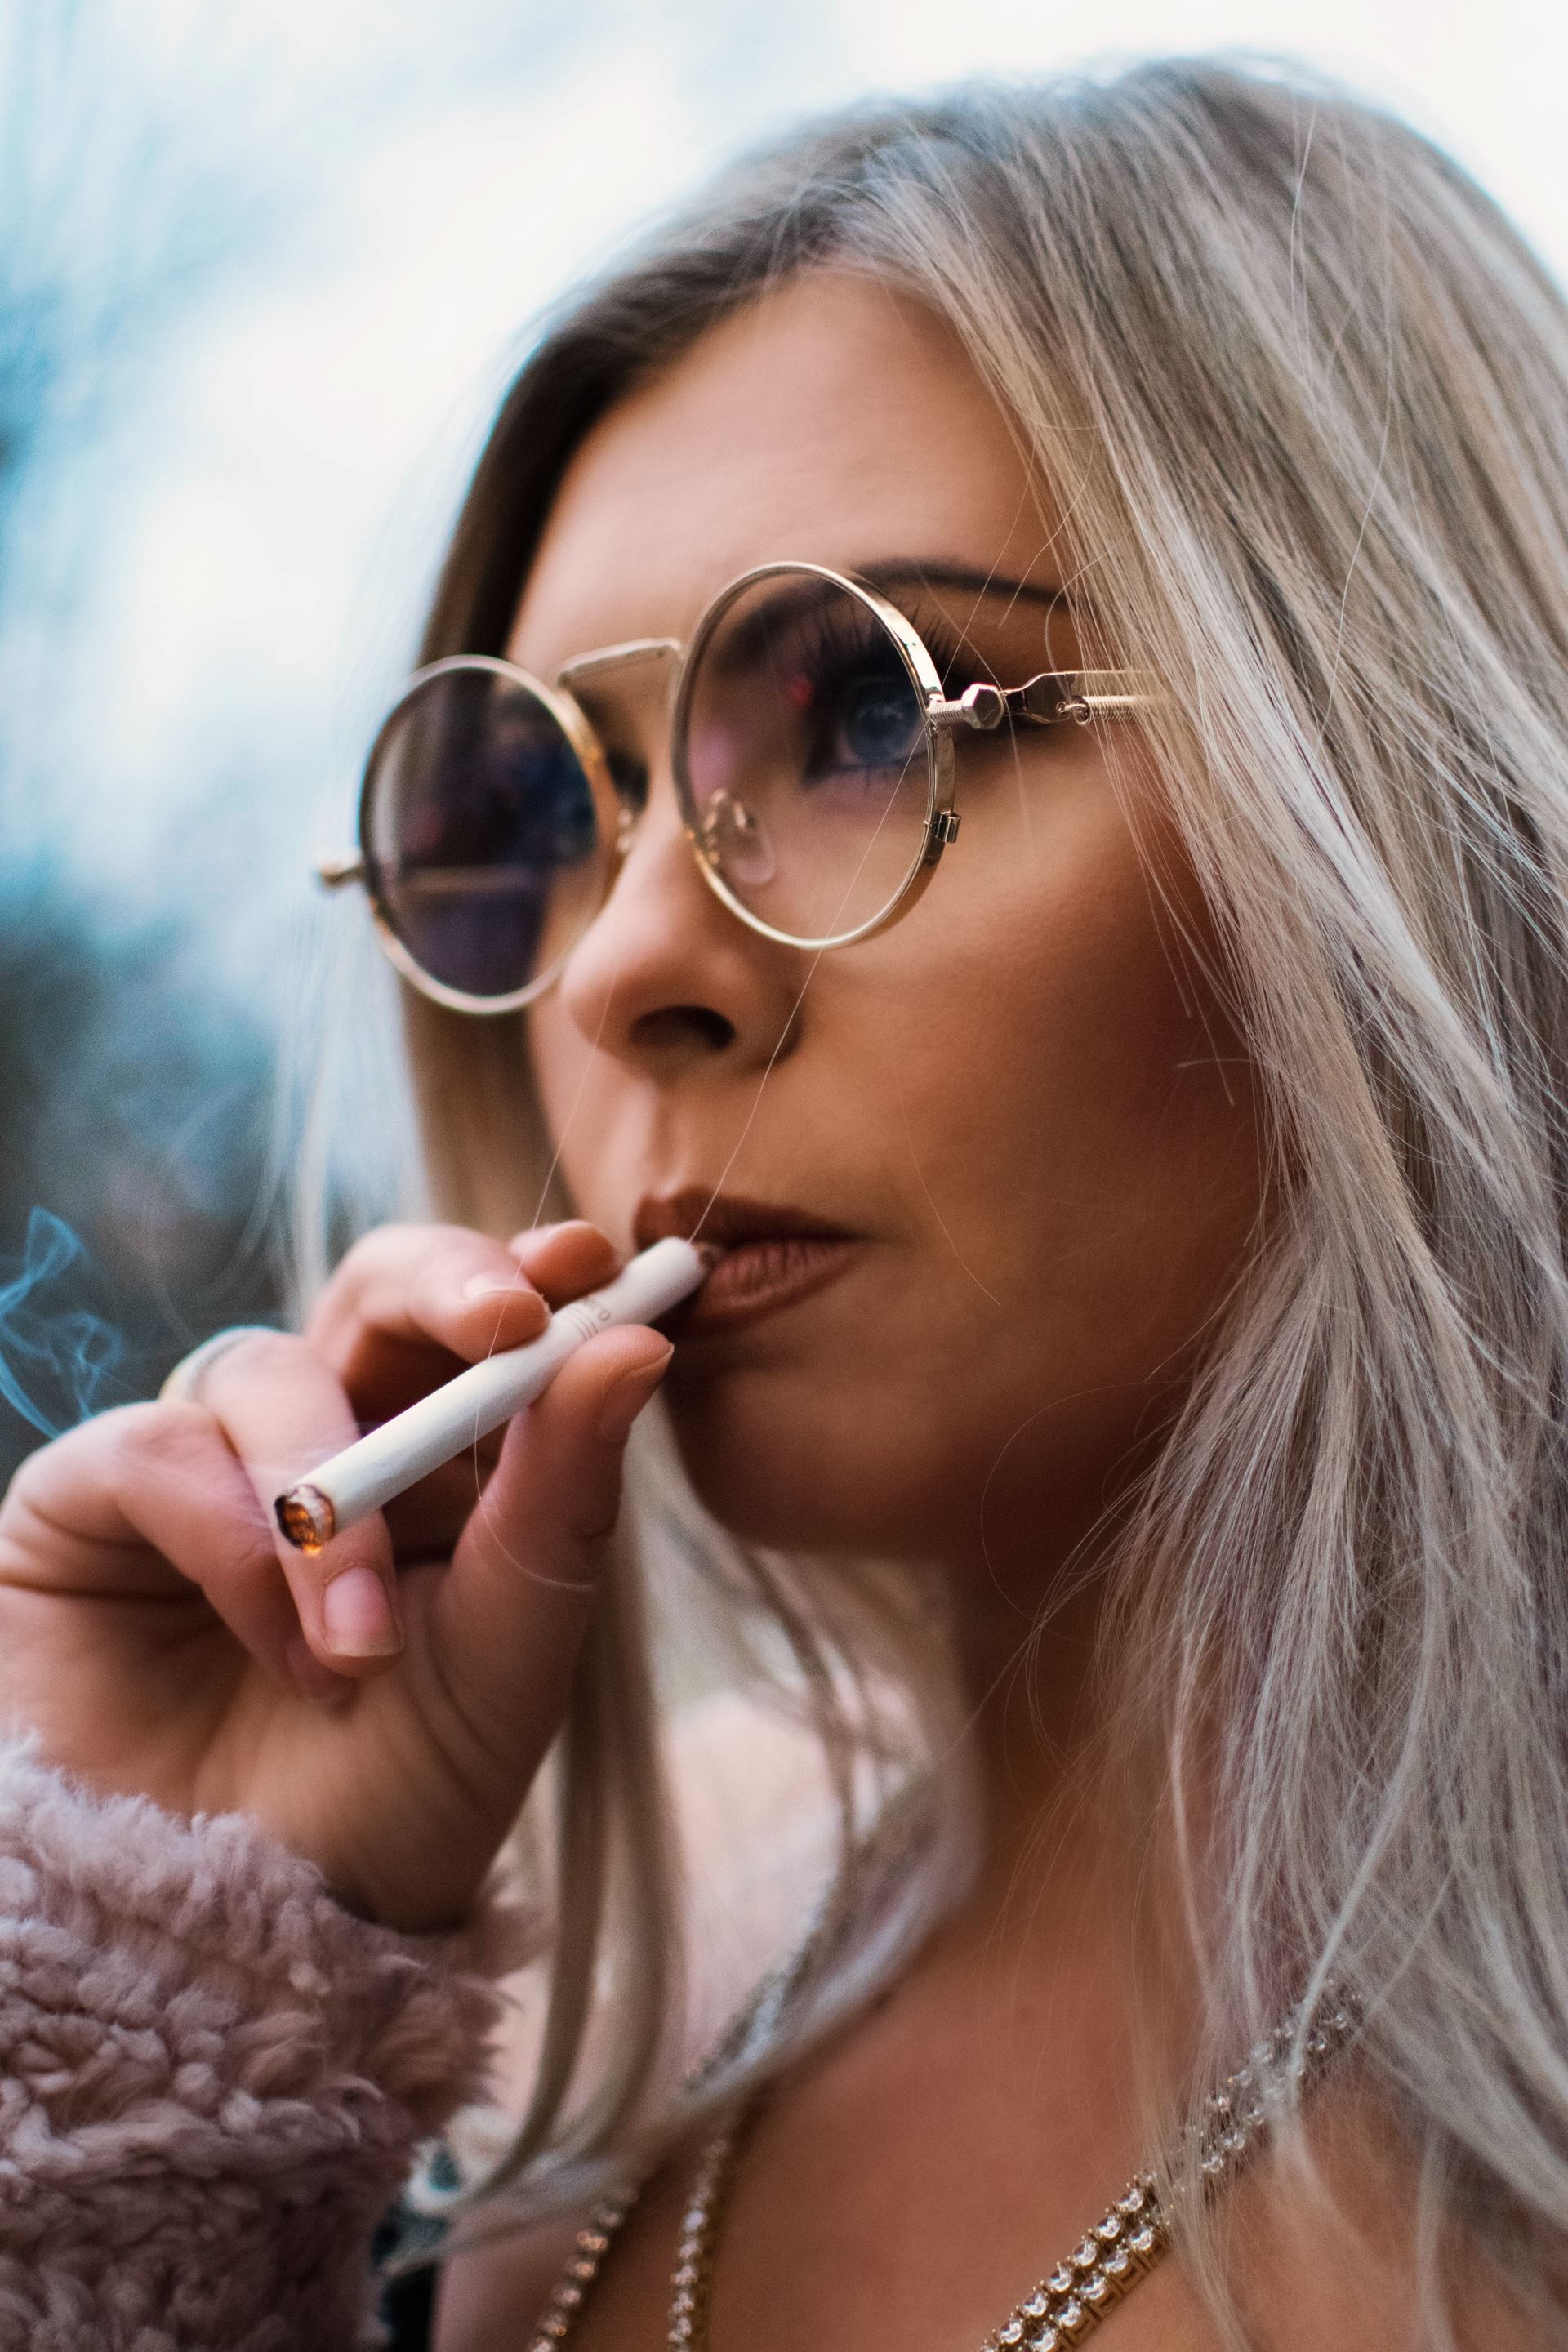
{"x": 666, "y": 978}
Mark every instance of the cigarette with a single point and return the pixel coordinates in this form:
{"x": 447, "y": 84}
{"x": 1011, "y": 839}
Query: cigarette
{"x": 405, "y": 1449}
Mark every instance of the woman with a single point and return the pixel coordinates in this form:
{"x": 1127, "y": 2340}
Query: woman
{"x": 1133, "y": 1385}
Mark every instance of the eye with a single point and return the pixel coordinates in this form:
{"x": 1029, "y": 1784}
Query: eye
{"x": 866, "y": 719}
{"x": 857, "y": 708}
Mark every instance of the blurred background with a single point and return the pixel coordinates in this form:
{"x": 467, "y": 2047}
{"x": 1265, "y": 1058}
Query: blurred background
{"x": 264, "y": 272}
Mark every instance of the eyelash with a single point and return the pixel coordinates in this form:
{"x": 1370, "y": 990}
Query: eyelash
{"x": 832, "y": 641}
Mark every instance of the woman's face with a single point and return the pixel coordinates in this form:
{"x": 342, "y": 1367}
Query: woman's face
{"x": 1018, "y": 1107}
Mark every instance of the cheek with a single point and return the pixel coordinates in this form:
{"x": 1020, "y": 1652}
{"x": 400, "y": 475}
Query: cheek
{"x": 1071, "y": 1131}
{"x": 592, "y": 1117}
{"x": 1080, "y": 1084}
{"x": 558, "y": 1056}
{"x": 1027, "y": 1088}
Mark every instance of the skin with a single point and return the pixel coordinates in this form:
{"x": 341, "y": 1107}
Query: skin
{"x": 1023, "y": 1100}
{"x": 1021, "y": 1094}
{"x": 1025, "y": 1097}
{"x": 161, "y": 1639}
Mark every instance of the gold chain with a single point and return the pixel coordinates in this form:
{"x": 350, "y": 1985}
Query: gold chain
{"x": 1066, "y": 2305}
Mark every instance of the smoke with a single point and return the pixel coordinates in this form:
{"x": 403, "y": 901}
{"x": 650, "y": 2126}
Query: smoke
{"x": 52, "y": 1352}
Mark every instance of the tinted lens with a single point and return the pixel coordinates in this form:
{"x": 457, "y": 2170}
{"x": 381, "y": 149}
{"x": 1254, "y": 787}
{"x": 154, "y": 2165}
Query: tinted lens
{"x": 802, "y": 753}
{"x": 482, "y": 840}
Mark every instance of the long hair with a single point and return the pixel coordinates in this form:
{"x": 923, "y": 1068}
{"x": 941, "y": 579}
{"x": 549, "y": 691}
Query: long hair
{"x": 1301, "y": 394}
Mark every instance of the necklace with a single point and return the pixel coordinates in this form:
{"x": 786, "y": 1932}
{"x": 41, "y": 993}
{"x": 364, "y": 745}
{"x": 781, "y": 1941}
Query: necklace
{"x": 1066, "y": 2305}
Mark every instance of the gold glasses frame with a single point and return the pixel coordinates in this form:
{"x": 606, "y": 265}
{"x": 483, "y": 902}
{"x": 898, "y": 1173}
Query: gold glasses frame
{"x": 1051, "y": 697}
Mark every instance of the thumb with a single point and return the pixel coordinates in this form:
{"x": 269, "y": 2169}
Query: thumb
{"x": 508, "y": 1616}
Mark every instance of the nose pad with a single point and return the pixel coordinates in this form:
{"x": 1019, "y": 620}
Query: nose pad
{"x": 663, "y": 978}
{"x": 735, "y": 841}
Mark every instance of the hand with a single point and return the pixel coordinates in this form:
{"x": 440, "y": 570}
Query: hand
{"x": 383, "y": 1707}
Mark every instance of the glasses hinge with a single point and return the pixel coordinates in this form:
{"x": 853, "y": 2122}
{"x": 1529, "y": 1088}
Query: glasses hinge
{"x": 944, "y": 828}
{"x": 983, "y": 705}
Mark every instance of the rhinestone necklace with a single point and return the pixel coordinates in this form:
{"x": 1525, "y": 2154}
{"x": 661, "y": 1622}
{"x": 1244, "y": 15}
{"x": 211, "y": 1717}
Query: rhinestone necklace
{"x": 1066, "y": 2305}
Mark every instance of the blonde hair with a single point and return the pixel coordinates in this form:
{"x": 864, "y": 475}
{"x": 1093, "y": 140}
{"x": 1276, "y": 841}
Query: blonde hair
{"x": 1302, "y": 395}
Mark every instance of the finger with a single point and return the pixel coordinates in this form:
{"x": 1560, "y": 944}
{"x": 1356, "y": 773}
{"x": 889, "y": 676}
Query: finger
{"x": 426, "y": 1521}
{"x": 410, "y": 1306}
{"x": 145, "y": 1500}
{"x": 412, "y": 1303}
{"x": 563, "y": 1261}
{"x": 284, "y": 1411}
{"x": 506, "y": 1620}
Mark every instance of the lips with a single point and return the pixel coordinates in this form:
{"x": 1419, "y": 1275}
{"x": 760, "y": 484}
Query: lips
{"x": 774, "y": 1257}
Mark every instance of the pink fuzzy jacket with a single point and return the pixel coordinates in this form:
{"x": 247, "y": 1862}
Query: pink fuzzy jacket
{"x": 212, "y": 2080}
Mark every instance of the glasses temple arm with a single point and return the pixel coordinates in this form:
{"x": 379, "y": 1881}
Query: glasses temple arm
{"x": 1047, "y": 700}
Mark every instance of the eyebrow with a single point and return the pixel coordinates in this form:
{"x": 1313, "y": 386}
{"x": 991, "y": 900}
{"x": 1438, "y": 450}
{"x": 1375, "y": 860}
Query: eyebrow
{"x": 894, "y": 570}
{"x": 886, "y": 574}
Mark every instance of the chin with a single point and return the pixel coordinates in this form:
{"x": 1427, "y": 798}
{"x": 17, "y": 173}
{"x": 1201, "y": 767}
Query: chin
{"x": 794, "y": 1485}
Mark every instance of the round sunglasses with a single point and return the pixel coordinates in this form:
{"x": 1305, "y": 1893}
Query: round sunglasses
{"x": 812, "y": 750}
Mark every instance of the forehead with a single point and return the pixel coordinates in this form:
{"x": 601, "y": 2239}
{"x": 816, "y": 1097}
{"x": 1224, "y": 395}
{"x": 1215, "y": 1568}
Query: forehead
{"x": 832, "y": 420}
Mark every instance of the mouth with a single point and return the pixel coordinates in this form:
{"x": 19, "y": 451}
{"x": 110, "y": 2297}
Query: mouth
{"x": 772, "y": 1256}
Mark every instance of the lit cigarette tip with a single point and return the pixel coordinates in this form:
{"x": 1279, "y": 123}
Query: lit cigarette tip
{"x": 306, "y": 1518}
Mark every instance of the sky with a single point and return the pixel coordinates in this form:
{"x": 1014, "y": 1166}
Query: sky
{"x": 394, "y": 192}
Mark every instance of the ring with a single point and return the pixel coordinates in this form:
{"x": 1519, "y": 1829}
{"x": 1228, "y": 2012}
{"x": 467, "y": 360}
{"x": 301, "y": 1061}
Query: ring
{"x": 183, "y": 1382}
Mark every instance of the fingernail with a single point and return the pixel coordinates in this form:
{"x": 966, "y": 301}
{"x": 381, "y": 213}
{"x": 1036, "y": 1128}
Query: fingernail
{"x": 629, "y": 1395}
{"x": 357, "y": 1617}
{"x": 490, "y": 1286}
